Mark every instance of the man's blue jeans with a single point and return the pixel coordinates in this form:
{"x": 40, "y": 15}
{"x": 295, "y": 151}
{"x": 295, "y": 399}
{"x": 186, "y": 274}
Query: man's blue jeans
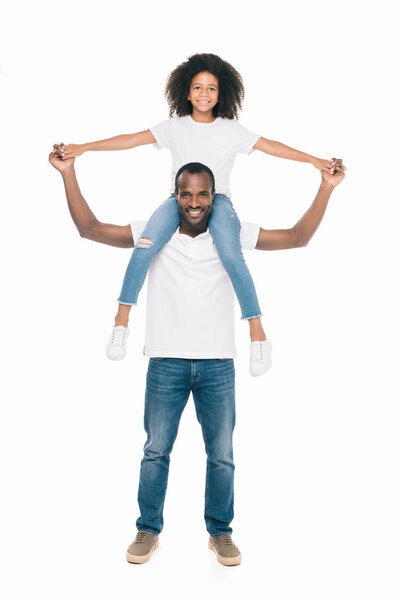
{"x": 224, "y": 227}
{"x": 169, "y": 383}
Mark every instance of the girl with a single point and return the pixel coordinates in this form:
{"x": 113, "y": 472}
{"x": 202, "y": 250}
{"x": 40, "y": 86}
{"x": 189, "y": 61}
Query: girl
{"x": 205, "y": 95}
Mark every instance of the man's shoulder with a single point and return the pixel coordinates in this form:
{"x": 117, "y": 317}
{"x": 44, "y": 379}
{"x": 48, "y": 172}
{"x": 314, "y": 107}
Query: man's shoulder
{"x": 249, "y": 233}
{"x": 137, "y": 228}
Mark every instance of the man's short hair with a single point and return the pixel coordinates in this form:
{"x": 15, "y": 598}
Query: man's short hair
{"x": 195, "y": 167}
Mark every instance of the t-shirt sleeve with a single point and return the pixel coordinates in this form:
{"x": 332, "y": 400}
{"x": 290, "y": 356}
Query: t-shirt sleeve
{"x": 137, "y": 230}
{"x": 249, "y": 233}
{"x": 245, "y": 139}
{"x": 162, "y": 134}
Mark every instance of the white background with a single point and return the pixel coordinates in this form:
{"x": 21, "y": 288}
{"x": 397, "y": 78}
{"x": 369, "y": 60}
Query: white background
{"x": 316, "y": 441}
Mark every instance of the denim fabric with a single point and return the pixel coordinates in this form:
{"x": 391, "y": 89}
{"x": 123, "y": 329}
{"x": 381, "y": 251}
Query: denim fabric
{"x": 224, "y": 227}
{"x": 169, "y": 383}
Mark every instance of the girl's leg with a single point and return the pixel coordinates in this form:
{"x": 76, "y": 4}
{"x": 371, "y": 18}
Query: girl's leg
{"x": 257, "y": 333}
{"x": 225, "y": 230}
{"x": 159, "y": 229}
{"x": 122, "y": 316}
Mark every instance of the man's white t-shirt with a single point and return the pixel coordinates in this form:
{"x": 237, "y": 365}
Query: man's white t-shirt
{"x": 190, "y": 306}
{"x": 214, "y": 144}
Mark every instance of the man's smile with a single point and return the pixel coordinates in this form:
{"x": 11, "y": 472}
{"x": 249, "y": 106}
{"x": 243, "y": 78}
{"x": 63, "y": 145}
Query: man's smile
{"x": 194, "y": 212}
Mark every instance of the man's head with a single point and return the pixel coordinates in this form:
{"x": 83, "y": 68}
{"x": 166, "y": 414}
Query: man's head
{"x": 194, "y": 191}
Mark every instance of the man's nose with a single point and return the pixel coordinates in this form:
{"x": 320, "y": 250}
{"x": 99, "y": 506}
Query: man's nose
{"x": 194, "y": 203}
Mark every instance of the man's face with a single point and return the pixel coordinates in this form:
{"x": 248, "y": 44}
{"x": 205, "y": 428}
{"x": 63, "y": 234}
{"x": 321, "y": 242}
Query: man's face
{"x": 195, "y": 196}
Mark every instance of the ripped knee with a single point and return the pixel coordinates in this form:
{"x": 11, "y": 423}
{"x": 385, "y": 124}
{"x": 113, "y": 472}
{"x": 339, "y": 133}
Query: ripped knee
{"x": 144, "y": 242}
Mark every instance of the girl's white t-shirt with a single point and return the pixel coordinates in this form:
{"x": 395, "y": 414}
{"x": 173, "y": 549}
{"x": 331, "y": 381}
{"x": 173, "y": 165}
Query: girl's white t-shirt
{"x": 214, "y": 144}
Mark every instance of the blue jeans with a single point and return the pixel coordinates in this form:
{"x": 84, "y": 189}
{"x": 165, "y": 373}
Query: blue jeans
{"x": 169, "y": 383}
{"x": 224, "y": 227}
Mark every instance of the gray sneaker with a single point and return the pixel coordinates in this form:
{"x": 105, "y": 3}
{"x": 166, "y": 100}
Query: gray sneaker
{"x": 141, "y": 548}
{"x": 227, "y": 552}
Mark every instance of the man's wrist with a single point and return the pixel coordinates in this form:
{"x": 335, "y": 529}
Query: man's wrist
{"x": 68, "y": 172}
{"x": 325, "y": 185}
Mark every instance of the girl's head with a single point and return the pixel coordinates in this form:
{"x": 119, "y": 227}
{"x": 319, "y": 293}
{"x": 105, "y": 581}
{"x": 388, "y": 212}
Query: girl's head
{"x": 201, "y": 78}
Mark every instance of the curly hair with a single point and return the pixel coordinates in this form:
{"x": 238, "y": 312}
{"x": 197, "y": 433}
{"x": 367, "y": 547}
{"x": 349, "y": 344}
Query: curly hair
{"x": 231, "y": 89}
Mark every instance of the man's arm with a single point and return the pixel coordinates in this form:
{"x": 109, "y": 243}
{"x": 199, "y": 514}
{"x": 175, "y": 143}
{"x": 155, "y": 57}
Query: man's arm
{"x": 300, "y": 234}
{"x": 86, "y": 223}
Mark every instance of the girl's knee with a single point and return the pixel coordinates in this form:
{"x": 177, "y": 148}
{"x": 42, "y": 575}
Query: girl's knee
{"x": 144, "y": 242}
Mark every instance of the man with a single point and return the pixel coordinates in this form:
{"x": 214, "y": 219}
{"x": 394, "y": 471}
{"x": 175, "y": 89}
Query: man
{"x": 190, "y": 342}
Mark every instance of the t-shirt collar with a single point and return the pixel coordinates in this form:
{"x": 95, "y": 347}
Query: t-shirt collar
{"x": 184, "y": 236}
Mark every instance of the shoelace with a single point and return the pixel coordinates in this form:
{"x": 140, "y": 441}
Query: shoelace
{"x": 226, "y": 539}
{"x": 118, "y": 337}
{"x": 141, "y": 536}
{"x": 257, "y": 352}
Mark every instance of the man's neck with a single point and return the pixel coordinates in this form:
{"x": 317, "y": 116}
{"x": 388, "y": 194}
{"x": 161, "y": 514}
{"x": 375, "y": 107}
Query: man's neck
{"x": 192, "y": 230}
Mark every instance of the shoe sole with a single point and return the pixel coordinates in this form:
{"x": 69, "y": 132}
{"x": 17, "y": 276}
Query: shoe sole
{"x": 265, "y": 369}
{"x": 225, "y": 560}
{"x": 115, "y": 359}
{"x": 133, "y": 558}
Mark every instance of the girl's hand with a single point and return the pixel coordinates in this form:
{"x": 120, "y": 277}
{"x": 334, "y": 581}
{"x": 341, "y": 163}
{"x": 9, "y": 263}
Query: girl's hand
{"x": 71, "y": 150}
{"x": 329, "y": 166}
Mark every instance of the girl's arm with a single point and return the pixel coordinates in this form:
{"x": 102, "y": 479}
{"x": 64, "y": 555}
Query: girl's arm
{"x": 282, "y": 151}
{"x": 119, "y": 142}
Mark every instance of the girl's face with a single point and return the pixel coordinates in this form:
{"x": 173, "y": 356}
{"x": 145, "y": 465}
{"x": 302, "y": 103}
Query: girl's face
{"x": 203, "y": 92}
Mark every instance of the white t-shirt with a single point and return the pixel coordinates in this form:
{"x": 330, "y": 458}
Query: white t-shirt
{"x": 190, "y": 308}
{"x": 214, "y": 144}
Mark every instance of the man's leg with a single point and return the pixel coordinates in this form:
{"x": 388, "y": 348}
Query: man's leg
{"x": 167, "y": 392}
{"x": 214, "y": 397}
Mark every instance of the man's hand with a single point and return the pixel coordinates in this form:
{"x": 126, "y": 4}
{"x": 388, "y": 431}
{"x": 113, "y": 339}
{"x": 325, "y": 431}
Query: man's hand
{"x": 332, "y": 166}
{"x": 332, "y": 180}
{"x": 57, "y": 162}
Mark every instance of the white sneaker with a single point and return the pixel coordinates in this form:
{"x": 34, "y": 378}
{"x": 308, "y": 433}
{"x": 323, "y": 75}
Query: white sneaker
{"x": 260, "y": 357}
{"x": 116, "y": 347}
